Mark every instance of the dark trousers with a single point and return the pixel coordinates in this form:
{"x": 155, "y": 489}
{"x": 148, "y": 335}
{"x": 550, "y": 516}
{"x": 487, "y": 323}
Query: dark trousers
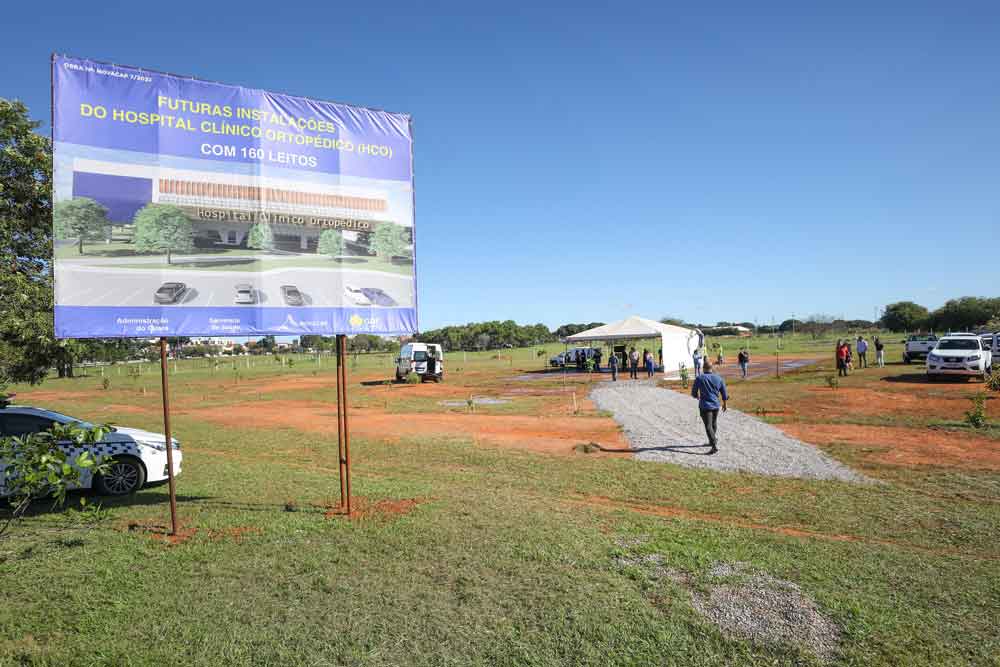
{"x": 614, "y": 373}
{"x": 841, "y": 367}
{"x": 711, "y": 419}
{"x": 649, "y": 370}
{"x": 633, "y": 371}
{"x": 863, "y": 359}
{"x": 744, "y": 367}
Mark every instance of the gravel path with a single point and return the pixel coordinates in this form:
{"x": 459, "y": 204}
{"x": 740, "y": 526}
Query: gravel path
{"x": 663, "y": 425}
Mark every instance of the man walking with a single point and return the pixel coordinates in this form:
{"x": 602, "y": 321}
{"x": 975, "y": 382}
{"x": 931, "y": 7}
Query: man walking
{"x": 613, "y": 364}
{"x": 708, "y": 388}
{"x": 862, "y": 352}
{"x": 697, "y": 361}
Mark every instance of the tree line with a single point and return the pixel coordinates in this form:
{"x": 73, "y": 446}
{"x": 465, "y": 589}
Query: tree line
{"x": 966, "y": 313}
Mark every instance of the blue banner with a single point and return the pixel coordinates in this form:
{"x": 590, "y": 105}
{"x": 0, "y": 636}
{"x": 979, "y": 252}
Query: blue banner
{"x": 180, "y": 204}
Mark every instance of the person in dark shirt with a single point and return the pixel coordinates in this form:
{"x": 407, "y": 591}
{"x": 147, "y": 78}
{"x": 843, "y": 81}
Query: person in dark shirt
{"x": 613, "y": 364}
{"x": 709, "y": 388}
{"x": 744, "y": 358}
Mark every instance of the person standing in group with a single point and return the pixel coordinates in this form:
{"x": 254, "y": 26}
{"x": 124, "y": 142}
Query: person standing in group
{"x": 744, "y": 358}
{"x": 841, "y": 358}
{"x": 633, "y": 365}
{"x": 879, "y": 352}
{"x": 613, "y": 365}
{"x": 862, "y": 352}
{"x": 721, "y": 359}
{"x": 597, "y": 359}
{"x": 697, "y": 356}
{"x": 709, "y": 388}
{"x": 850, "y": 356}
{"x": 650, "y": 364}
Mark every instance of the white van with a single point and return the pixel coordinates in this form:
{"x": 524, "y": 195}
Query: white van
{"x": 413, "y": 358}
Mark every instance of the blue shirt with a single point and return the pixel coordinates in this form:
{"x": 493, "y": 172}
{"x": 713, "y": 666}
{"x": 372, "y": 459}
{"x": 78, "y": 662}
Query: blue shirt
{"x": 707, "y": 388}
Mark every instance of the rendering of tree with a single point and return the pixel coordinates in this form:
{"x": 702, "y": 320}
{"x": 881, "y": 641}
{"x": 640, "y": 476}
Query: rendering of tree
{"x": 82, "y": 219}
{"x": 163, "y": 228}
{"x": 331, "y": 242}
{"x": 390, "y": 240}
{"x": 26, "y": 334}
{"x": 904, "y": 316}
{"x": 260, "y": 237}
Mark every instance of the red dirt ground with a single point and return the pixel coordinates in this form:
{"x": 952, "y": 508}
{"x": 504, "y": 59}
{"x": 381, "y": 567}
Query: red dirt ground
{"x": 902, "y": 446}
{"x": 362, "y": 508}
{"x": 821, "y": 403}
{"x": 544, "y": 434}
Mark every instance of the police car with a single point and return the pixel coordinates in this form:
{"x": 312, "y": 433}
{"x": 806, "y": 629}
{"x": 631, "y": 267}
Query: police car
{"x": 138, "y": 458}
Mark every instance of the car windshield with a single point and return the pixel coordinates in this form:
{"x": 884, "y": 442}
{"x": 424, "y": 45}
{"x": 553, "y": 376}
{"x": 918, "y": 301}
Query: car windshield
{"x": 66, "y": 419}
{"x": 922, "y": 338}
{"x": 420, "y": 356}
{"x": 958, "y": 344}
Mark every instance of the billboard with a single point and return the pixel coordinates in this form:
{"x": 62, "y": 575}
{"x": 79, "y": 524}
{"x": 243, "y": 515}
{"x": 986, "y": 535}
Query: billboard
{"x": 187, "y": 207}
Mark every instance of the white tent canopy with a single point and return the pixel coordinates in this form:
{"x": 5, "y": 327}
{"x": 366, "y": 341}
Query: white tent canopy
{"x": 678, "y": 343}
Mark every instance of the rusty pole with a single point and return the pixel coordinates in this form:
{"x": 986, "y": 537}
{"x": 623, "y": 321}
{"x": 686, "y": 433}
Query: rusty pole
{"x": 342, "y": 429}
{"x": 169, "y": 441}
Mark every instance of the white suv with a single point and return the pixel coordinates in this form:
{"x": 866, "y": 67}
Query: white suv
{"x": 959, "y": 354}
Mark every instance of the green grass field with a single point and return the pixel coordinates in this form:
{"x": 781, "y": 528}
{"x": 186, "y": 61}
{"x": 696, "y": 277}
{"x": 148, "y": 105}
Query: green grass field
{"x": 503, "y": 557}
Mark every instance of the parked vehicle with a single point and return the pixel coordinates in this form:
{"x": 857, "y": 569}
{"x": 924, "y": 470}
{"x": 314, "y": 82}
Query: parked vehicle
{"x": 138, "y": 458}
{"x": 918, "y": 346}
{"x": 414, "y": 358}
{"x": 245, "y": 294}
{"x": 356, "y": 296}
{"x": 569, "y": 357}
{"x": 291, "y": 295}
{"x": 959, "y": 354}
{"x": 169, "y": 293}
{"x": 369, "y": 296}
{"x": 995, "y": 351}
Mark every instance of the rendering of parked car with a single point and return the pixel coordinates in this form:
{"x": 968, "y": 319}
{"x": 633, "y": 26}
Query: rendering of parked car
{"x": 368, "y": 296}
{"x": 356, "y": 296}
{"x": 378, "y": 297}
{"x": 245, "y": 294}
{"x": 959, "y": 354}
{"x": 169, "y": 293}
{"x": 138, "y": 458}
{"x": 292, "y": 295}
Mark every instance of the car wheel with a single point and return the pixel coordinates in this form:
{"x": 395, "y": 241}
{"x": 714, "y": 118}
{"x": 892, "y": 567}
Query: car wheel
{"x": 931, "y": 378}
{"x": 125, "y": 476}
{"x": 906, "y": 359}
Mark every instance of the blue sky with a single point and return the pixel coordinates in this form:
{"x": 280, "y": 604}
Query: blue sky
{"x": 581, "y": 162}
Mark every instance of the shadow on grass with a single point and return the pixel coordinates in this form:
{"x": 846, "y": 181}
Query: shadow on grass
{"x": 923, "y": 378}
{"x": 44, "y": 506}
{"x": 679, "y": 449}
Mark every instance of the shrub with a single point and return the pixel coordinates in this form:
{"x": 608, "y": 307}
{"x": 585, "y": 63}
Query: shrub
{"x": 37, "y": 467}
{"x": 832, "y": 381}
{"x": 106, "y": 384}
{"x": 993, "y": 379}
{"x": 412, "y": 378}
{"x": 976, "y": 417}
{"x": 685, "y": 377}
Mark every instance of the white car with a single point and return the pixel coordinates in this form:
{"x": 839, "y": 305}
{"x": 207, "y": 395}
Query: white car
{"x": 356, "y": 296}
{"x": 959, "y": 354}
{"x": 139, "y": 458}
{"x": 245, "y": 294}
